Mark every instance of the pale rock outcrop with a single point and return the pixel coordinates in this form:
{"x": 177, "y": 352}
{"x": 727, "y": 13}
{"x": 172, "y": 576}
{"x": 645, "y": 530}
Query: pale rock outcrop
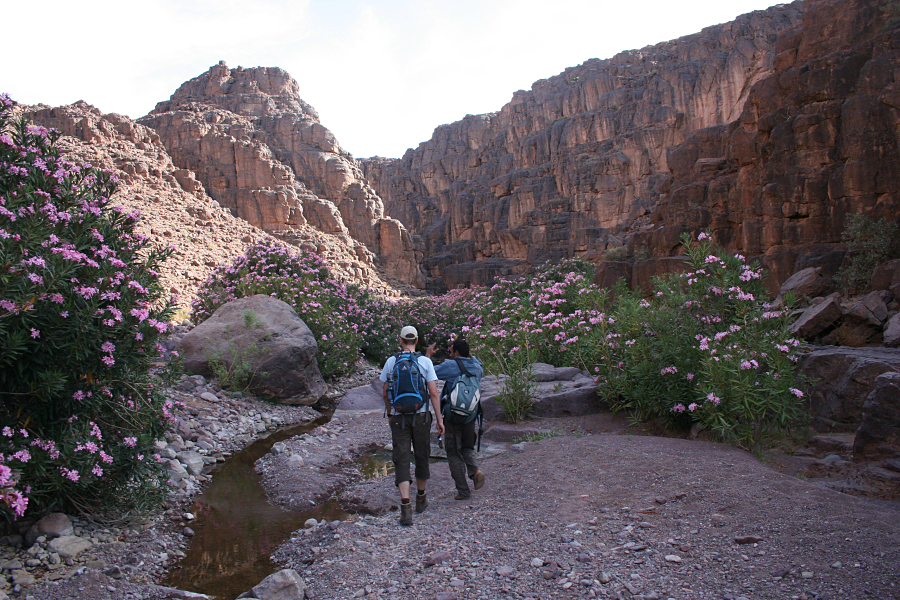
{"x": 175, "y": 208}
{"x": 261, "y": 152}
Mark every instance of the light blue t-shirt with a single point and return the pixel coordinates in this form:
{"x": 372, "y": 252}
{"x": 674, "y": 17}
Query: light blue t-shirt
{"x": 427, "y": 370}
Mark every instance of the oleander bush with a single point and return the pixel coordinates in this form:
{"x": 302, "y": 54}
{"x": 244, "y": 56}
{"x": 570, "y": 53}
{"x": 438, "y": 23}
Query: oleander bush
{"x": 81, "y": 309}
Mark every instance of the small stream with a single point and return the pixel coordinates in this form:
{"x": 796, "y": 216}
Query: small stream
{"x": 236, "y": 528}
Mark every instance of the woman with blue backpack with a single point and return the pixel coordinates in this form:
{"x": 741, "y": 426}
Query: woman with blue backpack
{"x": 461, "y": 409}
{"x": 409, "y": 382}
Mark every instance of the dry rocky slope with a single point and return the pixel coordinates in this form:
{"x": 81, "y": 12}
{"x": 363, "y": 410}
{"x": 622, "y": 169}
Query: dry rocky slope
{"x": 175, "y": 208}
{"x": 261, "y": 152}
{"x": 768, "y": 130}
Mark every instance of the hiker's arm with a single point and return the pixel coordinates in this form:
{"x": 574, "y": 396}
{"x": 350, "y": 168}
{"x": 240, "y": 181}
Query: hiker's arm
{"x": 436, "y": 405}
{"x": 387, "y": 405}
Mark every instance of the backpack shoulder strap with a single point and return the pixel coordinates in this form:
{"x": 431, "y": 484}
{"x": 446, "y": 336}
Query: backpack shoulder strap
{"x": 462, "y": 367}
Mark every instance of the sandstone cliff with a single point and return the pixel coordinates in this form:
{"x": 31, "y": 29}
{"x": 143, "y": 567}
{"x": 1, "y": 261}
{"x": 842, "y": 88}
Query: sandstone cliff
{"x": 174, "y": 206}
{"x": 261, "y": 152}
{"x": 818, "y": 139}
{"x": 565, "y": 167}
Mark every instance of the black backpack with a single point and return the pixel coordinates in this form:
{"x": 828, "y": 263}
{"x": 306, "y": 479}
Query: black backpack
{"x": 406, "y": 386}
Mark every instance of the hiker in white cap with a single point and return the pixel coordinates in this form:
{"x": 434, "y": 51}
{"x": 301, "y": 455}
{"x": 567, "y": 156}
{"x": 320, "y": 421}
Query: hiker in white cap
{"x": 409, "y": 384}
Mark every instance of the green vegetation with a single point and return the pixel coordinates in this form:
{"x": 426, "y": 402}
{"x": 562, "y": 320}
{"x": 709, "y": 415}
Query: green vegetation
{"x": 871, "y": 242}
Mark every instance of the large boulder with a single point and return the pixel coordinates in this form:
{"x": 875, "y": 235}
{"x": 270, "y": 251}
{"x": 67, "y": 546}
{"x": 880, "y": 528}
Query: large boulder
{"x": 267, "y": 336}
{"x": 818, "y": 318}
{"x": 879, "y": 433}
{"x": 841, "y": 380}
{"x": 283, "y": 585}
{"x": 892, "y": 332}
{"x": 807, "y": 283}
{"x": 53, "y": 525}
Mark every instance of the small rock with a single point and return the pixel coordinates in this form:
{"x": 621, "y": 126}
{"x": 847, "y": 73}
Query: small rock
{"x": 209, "y": 397}
{"x": 437, "y": 558}
{"x": 188, "y": 532}
{"x": 837, "y": 565}
{"x": 537, "y": 562}
{"x": 310, "y": 523}
{"x": 673, "y": 558}
{"x": 748, "y": 539}
{"x": 806, "y": 574}
{"x": 445, "y": 596}
{"x": 505, "y": 571}
{"x": 604, "y": 577}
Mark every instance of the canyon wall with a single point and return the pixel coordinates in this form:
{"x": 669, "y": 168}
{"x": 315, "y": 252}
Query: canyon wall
{"x": 260, "y": 151}
{"x": 576, "y": 163}
{"x": 817, "y": 140}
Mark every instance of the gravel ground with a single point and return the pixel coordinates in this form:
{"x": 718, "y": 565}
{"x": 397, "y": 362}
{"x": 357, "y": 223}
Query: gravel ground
{"x": 607, "y": 515}
{"x": 597, "y": 510}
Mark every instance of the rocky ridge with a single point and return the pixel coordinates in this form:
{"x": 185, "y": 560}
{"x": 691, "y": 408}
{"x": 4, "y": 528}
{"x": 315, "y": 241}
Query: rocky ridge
{"x": 261, "y": 152}
{"x": 175, "y": 208}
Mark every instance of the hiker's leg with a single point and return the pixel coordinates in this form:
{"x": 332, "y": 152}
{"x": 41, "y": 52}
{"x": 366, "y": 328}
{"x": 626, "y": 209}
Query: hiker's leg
{"x": 455, "y": 460}
{"x": 468, "y": 438}
{"x": 421, "y": 441}
{"x": 401, "y": 438}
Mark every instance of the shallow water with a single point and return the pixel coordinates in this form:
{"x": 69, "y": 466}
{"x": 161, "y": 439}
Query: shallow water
{"x": 236, "y": 529}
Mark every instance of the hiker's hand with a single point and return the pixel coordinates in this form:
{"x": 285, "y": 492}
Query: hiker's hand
{"x": 440, "y": 426}
{"x": 431, "y": 350}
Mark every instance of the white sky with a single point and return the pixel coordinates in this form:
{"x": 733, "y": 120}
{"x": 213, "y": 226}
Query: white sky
{"x": 381, "y": 73}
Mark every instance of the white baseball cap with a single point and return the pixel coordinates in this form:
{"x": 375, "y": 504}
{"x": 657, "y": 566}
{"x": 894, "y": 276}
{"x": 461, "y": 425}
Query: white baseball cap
{"x": 409, "y": 333}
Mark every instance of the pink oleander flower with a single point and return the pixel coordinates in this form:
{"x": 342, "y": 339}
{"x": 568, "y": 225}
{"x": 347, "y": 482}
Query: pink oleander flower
{"x": 130, "y": 442}
{"x": 35, "y": 333}
{"x": 796, "y": 392}
{"x": 108, "y": 347}
{"x": 713, "y": 398}
{"x": 693, "y": 406}
{"x": 677, "y": 408}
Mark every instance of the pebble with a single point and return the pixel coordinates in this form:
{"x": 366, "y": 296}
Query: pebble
{"x": 673, "y": 558}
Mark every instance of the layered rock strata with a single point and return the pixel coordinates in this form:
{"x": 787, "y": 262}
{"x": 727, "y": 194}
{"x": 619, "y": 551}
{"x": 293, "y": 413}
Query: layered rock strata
{"x": 175, "y": 208}
{"x": 261, "y": 152}
{"x": 564, "y": 167}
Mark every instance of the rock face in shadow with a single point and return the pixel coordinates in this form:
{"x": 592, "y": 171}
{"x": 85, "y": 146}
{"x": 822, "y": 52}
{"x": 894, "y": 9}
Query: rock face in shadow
{"x": 265, "y": 337}
{"x": 578, "y": 157}
{"x": 841, "y": 380}
{"x": 817, "y": 140}
{"x": 261, "y": 152}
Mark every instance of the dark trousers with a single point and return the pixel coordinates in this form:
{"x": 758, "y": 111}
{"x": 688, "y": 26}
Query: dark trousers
{"x": 411, "y": 437}
{"x": 459, "y": 441}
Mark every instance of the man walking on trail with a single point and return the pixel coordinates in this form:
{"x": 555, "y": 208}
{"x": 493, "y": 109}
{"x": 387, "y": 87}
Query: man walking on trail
{"x": 409, "y": 383}
{"x": 460, "y": 436}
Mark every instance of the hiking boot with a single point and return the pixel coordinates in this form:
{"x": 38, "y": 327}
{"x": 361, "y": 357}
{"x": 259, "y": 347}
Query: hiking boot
{"x": 421, "y": 502}
{"x": 478, "y": 478}
{"x": 461, "y": 497}
{"x": 406, "y": 514}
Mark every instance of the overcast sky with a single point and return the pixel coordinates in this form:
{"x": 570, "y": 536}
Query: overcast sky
{"x": 381, "y": 73}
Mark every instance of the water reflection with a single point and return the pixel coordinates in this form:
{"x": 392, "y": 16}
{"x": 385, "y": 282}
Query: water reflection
{"x": 236, "y": 528}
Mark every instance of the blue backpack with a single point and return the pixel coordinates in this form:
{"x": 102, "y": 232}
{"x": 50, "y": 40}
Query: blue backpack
{"x": 406, "y": 386}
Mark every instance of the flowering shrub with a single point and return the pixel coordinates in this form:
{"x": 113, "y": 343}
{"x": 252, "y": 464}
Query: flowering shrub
{"x": 330, "y": 309}
{"x": 544, "y": 316}
{"x": 80, "y": 313}
{"x": 703, "y": 348}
